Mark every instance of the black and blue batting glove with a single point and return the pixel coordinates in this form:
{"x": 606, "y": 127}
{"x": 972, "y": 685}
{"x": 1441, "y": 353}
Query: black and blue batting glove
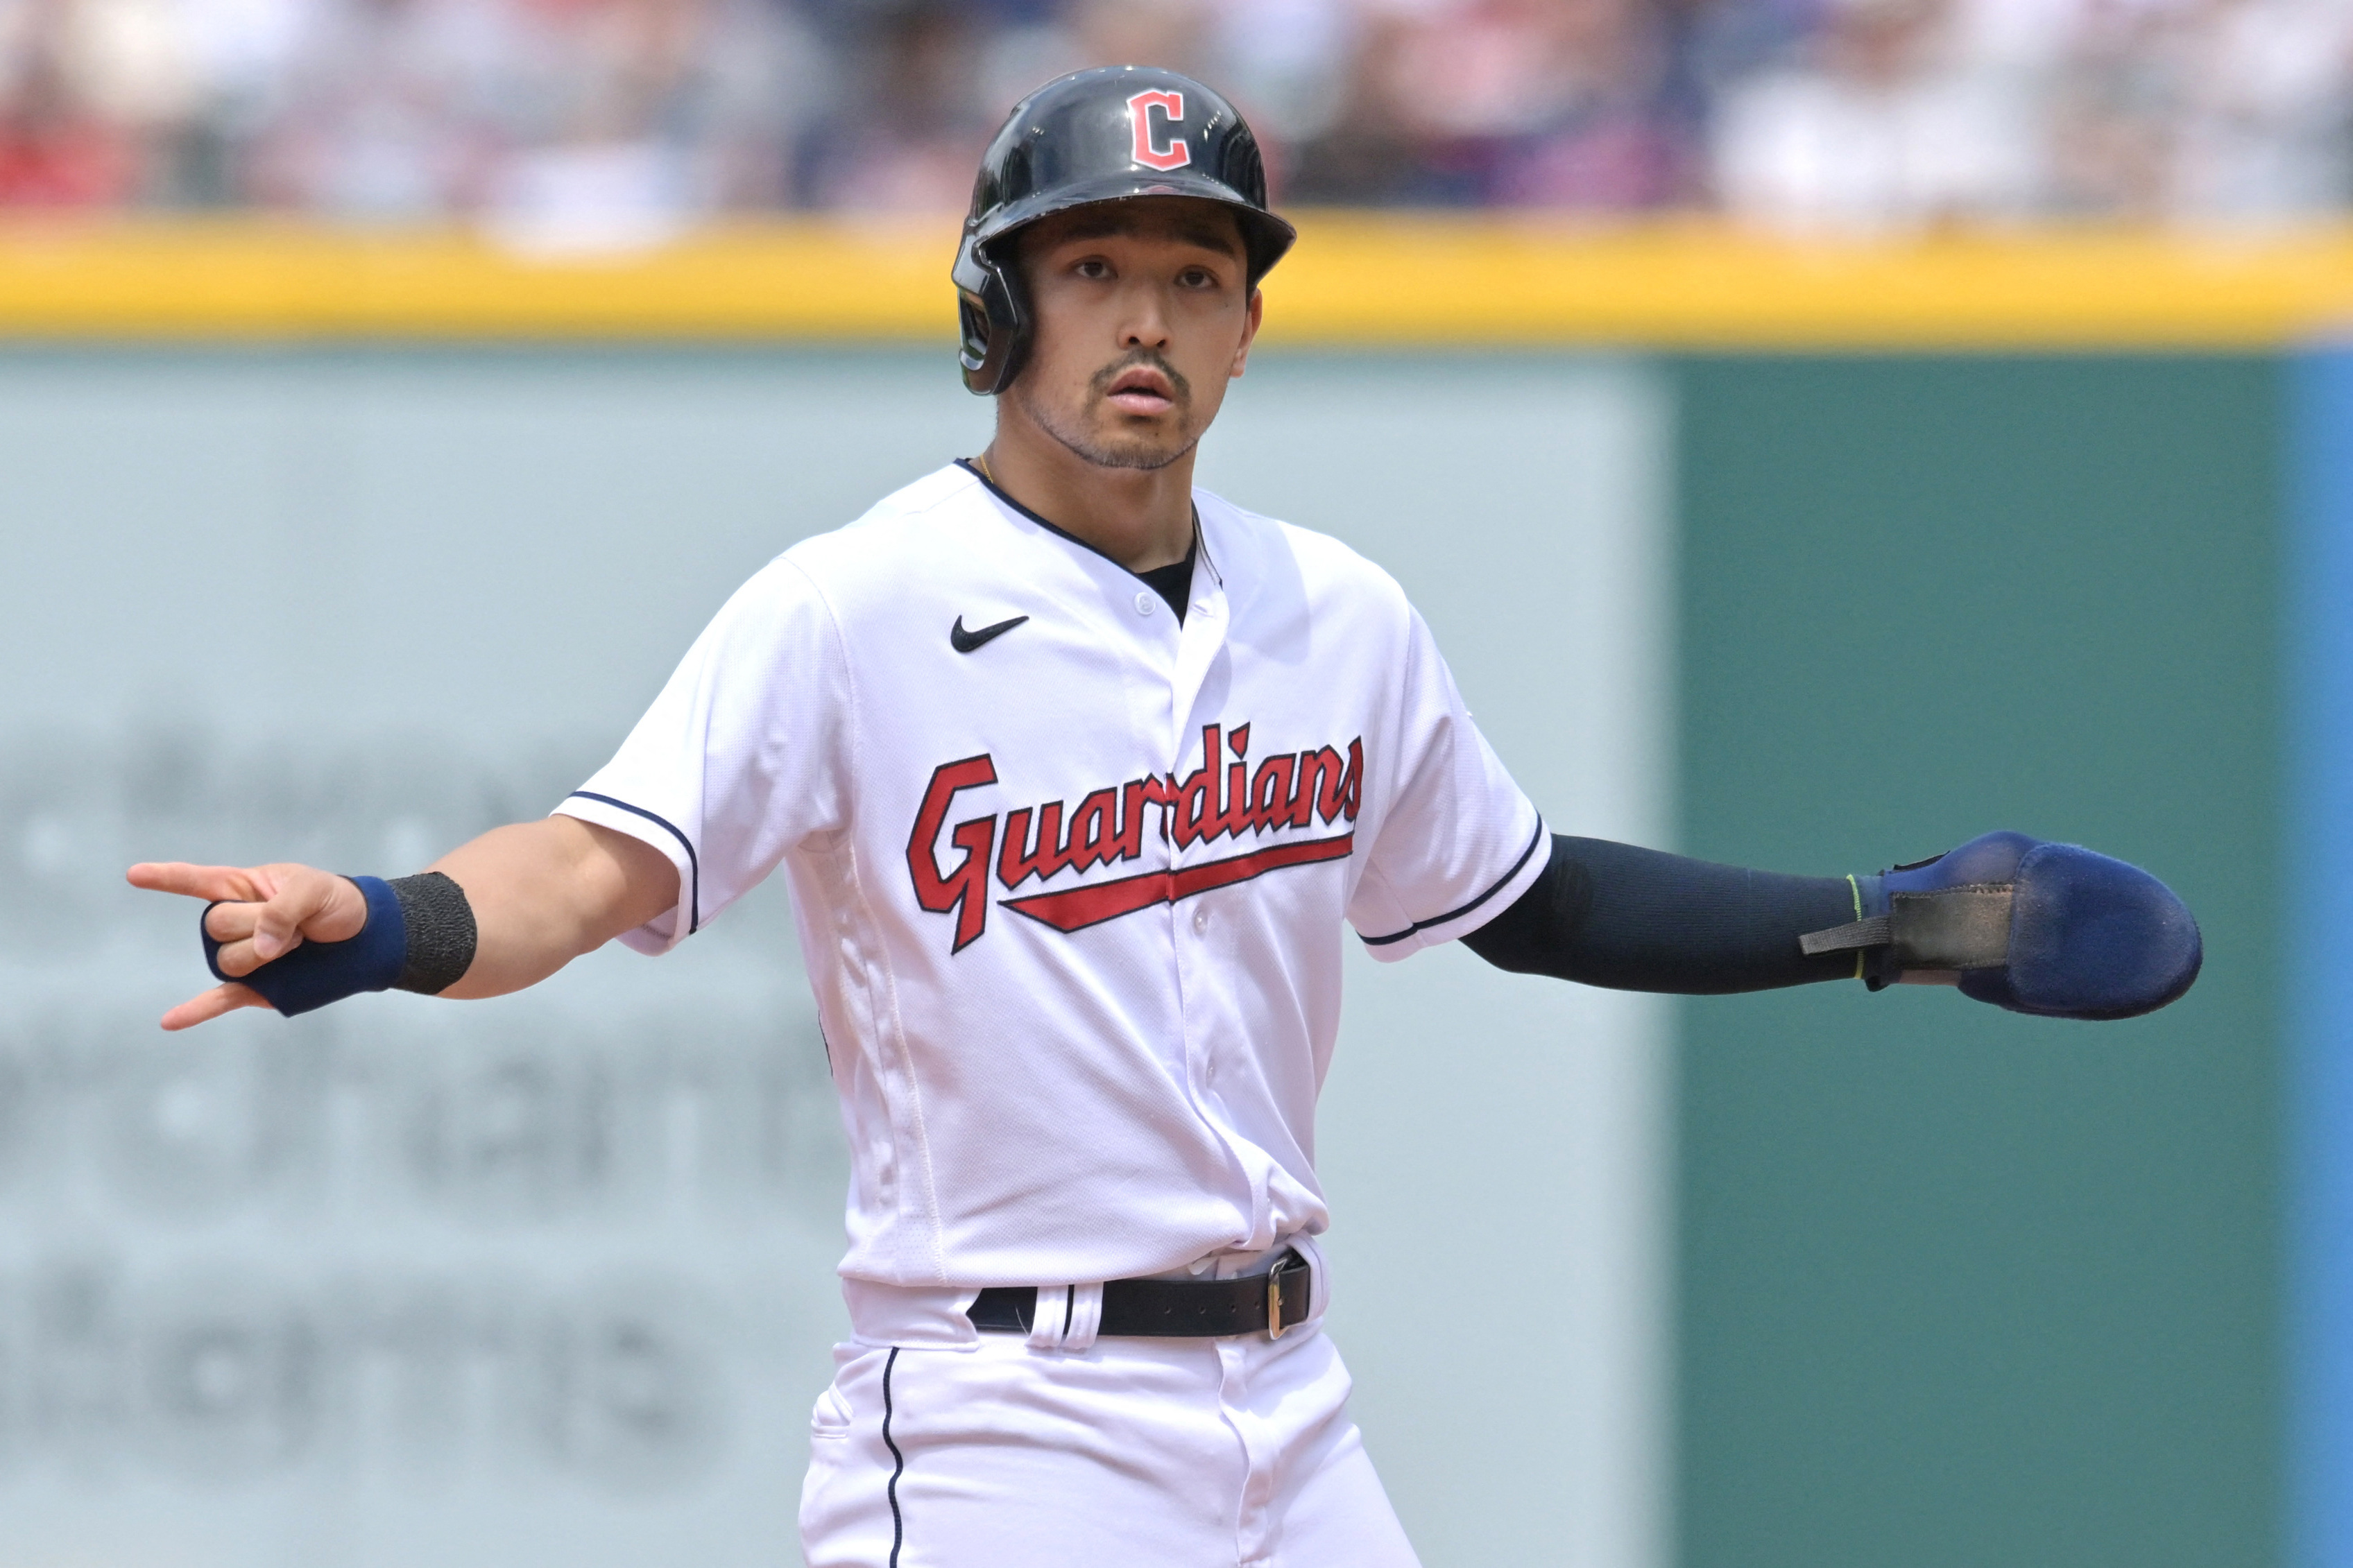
{"x": 2053, "y": 930}
{"x": 419, "y": 936}
{"x": 317, "y": 973}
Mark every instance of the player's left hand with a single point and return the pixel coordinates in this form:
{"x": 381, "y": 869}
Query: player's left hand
{"x": 2053, "y": 930}
{"x": 262, "y": 912}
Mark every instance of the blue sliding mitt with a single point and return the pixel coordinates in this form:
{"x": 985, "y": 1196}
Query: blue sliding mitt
{"x": 2048, "y": 929}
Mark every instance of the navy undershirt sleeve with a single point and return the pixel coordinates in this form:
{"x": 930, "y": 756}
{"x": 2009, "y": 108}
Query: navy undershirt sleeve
{"x": 1639, "y": 919}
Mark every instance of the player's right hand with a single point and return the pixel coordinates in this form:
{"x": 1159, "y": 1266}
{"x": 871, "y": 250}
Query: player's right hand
{"x": 261, "y": 912}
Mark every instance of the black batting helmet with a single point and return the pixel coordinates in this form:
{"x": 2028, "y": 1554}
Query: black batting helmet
{"x": 1102, "y": 136}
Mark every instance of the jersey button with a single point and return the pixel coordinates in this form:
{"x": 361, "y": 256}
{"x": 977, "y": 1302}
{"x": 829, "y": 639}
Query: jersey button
{"x": 1201, "y": 919}
{"x": 1145, "y": 600}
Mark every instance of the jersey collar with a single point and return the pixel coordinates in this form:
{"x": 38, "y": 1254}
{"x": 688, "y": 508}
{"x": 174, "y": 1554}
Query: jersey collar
{"x": 1199, "y": 539}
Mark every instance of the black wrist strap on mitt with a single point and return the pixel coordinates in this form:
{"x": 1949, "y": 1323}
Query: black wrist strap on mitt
{"x": 1958, "y": 928}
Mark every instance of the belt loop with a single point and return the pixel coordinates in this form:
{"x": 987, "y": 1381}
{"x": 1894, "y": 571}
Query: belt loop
{"x": 1085, "y": 1318}
{"x": 1046, "y": 1320}
{"x": 1319, "y": 1279}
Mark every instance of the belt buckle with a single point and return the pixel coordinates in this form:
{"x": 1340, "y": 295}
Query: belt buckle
{"x": 1274, "y": 1327}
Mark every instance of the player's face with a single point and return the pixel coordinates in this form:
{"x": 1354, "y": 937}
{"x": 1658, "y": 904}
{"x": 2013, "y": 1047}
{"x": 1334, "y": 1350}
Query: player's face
{"x": 1143, "y": 312}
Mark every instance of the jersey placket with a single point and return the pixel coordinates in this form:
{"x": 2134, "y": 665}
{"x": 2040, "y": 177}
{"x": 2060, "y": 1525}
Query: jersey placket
{"x": 1202, "y": 642}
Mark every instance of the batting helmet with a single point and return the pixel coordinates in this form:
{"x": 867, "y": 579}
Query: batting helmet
{"x": 1102, "y": 136}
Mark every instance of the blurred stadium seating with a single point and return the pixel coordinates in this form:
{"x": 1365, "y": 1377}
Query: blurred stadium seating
{"x": 613, "y": 121}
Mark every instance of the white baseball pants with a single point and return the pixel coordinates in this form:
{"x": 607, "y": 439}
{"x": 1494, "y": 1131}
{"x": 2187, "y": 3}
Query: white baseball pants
{"x": 1142, "y": 1453}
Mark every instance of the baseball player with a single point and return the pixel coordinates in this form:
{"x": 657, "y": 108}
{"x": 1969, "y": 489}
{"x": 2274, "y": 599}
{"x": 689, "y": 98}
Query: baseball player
{"x": 1077, "y": 773}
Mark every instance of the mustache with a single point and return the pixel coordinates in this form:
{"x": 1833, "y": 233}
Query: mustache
{"x": 1101, "y": 384}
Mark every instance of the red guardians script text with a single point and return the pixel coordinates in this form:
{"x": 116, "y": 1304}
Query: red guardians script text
{"x": 1289, "y": 794}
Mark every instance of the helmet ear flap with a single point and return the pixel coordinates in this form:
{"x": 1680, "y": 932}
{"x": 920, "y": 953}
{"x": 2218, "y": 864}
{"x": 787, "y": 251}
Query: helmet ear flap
{"x": 993, "y": 319}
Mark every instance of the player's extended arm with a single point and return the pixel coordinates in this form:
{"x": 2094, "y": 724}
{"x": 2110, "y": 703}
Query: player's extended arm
{"x": 495, "y": 915}
{"x": 2048, "y": 929}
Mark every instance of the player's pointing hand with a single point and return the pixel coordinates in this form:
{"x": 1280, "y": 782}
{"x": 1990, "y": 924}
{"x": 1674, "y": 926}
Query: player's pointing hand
{"x": 259, "y": 913}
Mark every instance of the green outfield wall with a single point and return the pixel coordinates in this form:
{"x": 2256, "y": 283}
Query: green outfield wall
{"x": 1958, "y": 1288}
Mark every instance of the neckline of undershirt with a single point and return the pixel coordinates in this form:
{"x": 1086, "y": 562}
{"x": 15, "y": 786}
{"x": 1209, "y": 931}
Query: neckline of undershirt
{"x": 1173, "y": 582}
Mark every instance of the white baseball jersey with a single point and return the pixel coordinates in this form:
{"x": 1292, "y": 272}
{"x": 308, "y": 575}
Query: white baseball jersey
{"x": 1069, "y": 876}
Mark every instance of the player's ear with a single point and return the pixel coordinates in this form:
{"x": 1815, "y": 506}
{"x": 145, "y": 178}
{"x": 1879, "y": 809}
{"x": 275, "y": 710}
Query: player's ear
{"x": 1256, "y": 313}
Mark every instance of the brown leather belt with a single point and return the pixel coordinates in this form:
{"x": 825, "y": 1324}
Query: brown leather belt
{"x": 1170, "y": 1309}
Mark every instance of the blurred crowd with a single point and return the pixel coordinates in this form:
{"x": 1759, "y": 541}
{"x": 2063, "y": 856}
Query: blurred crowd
{"x": 612, "y": 120}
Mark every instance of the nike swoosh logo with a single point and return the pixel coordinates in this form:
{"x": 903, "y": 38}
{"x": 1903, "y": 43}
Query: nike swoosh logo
{"x": 964, "y": 641}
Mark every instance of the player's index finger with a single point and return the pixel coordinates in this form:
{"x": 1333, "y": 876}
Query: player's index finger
{"x": 194, "y": 881}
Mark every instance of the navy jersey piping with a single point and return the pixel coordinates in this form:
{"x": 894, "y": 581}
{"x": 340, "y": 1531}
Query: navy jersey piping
{"x": 694, "y": 864}
{"x": 968, "y": 465}
{"x": 1501, "y": 882}
{"x": 898, "y": 1461}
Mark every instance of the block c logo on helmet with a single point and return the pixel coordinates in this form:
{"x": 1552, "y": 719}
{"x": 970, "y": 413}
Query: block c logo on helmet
{"x": 1149, "y": 152}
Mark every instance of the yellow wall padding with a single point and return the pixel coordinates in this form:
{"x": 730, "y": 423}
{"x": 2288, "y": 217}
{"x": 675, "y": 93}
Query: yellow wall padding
{"x": 1355, "y": 278}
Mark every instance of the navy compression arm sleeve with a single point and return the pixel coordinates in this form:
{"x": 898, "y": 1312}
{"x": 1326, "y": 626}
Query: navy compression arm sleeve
{"x": 1638, "y": 920}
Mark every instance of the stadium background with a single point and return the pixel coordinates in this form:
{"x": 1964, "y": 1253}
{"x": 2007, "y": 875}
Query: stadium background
{"x": 1818, "y": 431}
